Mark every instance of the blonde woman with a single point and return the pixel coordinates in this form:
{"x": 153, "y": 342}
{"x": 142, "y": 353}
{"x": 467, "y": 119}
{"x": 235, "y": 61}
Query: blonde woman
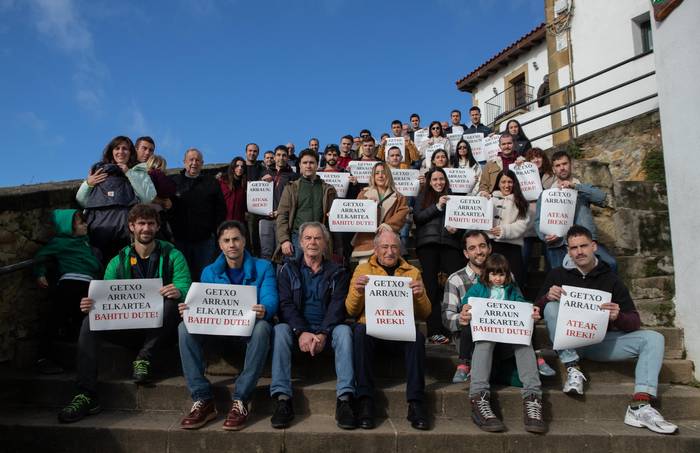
{"x": 392, "y": 209}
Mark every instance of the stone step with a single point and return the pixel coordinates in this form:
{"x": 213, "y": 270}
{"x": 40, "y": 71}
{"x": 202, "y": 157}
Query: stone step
{"x": 440, "y": 359}
{"x": 156, "y": 432}
{"x": 603, "y": 400}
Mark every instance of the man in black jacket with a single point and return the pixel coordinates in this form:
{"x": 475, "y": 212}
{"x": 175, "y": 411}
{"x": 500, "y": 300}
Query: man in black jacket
{"x": 198, "y": 209}
{"x": 312, "y": 294}
{"x": 477, "y": 125}
{"x": 623, "y": 340}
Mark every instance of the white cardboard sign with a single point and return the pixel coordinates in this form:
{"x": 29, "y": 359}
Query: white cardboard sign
{"x": 361, "y": 169}
{"x": 529, "y": 178}
{"x": 356, "y": 216}
{"x": 389, "y": 308}
{"x": 338, "y": 179}
{"x": 126, "y": 304}
{"x": 476, "y": 142}
{"x": 260, "y": 197}
{"x": 581, "y": 322}
{"x": 218, "y": 309}
{"x": 457, "y": 130}
{"x": 557, "y": 210}
{"x": 399, "y": 142}
{"x": 462, "y": 180}
{"x": 455, "y": 137}
{"x": 491, "y": 148}
{"x": 420, "y": 136}
{"x": 501, "y": 321}
{"x": 406, "y": 181}
{"x": 469, "y": 212}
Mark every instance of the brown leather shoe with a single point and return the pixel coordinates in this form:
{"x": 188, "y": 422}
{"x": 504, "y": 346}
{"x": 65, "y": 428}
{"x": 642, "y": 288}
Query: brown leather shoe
{"x": 202, "y": 412}
{"x": 237, "y": 416}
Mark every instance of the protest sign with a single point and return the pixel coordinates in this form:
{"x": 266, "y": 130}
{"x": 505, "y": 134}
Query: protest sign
{"x": 462, "y": 180}
{"x": 362, "y": 169}
{"x": 430, "y": 150}
{"x": 218, "y": 309}
{"x": 339, "y": 180}
{"x": 557, "y": 210}
{"x": 581, "y": 322}
{"x": 476, "y": 142}
{"x": 126, "y": 304}
{"x": 454, "y": 137}
{"x": 501, "y": 321}
{"x": 357, "y": 216}
{"x": 389, "y": 308}
{"x": 469, "y": 212}
{"x": 529, "y": 178}
{"x": 260, "y": 197}
{"x": 457, "y": 130}
{"x": 420, "y": 136}
{"x": 399, "y": 142}
{"x": 491, "y": 148}
{"x": 406, "y": 181}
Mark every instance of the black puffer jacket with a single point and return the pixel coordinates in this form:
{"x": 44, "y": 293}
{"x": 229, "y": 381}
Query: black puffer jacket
{"x": 430, "y": 226}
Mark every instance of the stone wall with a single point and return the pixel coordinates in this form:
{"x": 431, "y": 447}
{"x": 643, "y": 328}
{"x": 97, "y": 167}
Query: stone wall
{"x": 623, "y": 146}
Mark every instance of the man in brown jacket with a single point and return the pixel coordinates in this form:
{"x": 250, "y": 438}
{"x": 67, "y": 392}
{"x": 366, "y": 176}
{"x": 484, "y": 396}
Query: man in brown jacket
{"x": 501, "y": 162}
{"x": 387, "y": 261}
{"x": 308, "y": 199}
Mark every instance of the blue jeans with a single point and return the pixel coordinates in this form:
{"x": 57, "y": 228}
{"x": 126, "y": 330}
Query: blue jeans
{"x": 647, "y": 346}
{"x": 193, "y": 367}
{"x": 284, "y": 342}
{"x": 555, "y": 256}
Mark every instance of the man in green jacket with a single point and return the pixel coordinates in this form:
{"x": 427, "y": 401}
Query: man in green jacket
{"x": 146, "y": 257}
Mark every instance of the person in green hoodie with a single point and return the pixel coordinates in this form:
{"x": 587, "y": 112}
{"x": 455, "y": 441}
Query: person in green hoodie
{"x": 77, "y": 263}
{"x": 145, "y": 257}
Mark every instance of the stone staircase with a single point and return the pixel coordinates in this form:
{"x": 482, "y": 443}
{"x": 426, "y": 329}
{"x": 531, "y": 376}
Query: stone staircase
{"x": 139, "y": 418}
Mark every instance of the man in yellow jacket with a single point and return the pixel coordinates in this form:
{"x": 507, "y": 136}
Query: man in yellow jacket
{"x": 386, "y": 261}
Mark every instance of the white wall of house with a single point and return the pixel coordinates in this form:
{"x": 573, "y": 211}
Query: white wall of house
{"x": 603, "y": 33}
{"x": 677, "y": 68}
{"x": 485, "y": 90}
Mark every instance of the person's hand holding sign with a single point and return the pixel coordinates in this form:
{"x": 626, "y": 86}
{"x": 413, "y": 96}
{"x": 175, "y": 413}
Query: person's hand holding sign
{"x": 465, "y": 315}
{"x": 416, "y": 286}
{"x": 536, "y": 313}
{"x": 360, "y": 283}
{"x": 442, "y": 201}
{"x": 259, "y": 310}
{"x": 86, "y": 304}
{"x": 170, "y": 292}
{"x": 613, "y": 308}
{"x": 555, "y": 293}
{"x": 181, "y": 307}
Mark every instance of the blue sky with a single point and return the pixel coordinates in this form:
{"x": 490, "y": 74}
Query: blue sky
{"x": 218, "y": 74}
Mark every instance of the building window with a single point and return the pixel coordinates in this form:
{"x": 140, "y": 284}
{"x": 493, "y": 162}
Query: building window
{"x": 641, "y": 33}
{"x": 519, "y": 90}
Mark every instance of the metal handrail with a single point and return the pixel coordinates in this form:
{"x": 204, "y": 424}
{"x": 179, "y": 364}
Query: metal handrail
{"x": 10, "y": 268}
{"x": 571, "y": 124}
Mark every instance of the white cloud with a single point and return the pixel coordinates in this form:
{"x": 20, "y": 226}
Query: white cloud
{"x": 138, "y": 124}
{"x": 39, "y": 129}
{"x": 61, "y": 23}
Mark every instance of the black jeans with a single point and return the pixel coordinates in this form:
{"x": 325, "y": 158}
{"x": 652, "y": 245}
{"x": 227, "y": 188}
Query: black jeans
{"x": 65, "y": 318}
{"x": 414, "y": 351}
{"x": 435, "y": 258}
{"x": 146, "y": 341}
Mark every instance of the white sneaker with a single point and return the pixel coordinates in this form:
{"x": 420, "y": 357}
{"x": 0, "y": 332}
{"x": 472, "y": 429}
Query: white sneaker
{"x": 647, "y": 417}
{"x": 574, "y": 381}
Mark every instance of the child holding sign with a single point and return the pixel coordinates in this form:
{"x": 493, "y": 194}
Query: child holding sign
{"x": 496, "y": 283}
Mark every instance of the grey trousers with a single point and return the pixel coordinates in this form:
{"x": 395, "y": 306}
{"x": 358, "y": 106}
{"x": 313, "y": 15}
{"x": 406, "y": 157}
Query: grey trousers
{"x": 525, "y": 359}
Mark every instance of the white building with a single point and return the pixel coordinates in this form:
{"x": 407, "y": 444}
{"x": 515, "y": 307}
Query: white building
{"x": 578, "y": 39}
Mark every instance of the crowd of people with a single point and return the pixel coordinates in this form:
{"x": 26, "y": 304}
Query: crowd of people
{"x": 138, "y": 222}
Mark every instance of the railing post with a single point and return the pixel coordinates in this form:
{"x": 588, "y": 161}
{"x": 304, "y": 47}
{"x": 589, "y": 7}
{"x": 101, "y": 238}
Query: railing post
{"x": 568, "y": 112}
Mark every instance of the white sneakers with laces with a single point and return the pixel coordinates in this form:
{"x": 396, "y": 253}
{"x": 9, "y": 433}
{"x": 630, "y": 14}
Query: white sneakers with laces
{"x": 646, "y": 416}
{"x": 574, "y": 381}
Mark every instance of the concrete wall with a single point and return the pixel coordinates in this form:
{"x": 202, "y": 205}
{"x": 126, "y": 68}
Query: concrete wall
{"x": 602, "y": 35}
{"x": 676, "y": 56}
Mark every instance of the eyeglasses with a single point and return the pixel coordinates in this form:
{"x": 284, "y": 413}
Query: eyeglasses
{"x": 462, "y": 147}
{"x": 364, "y": 135}
{"x": 435, "y": 128}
